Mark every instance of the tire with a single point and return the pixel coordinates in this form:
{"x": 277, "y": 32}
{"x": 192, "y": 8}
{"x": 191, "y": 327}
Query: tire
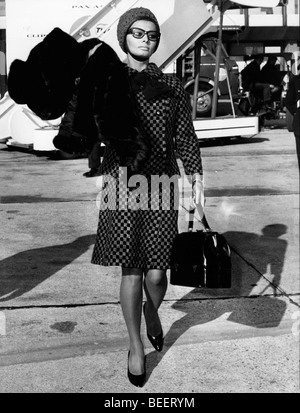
{"x": 289, "y": 121}
{"x": 204, "y": 101}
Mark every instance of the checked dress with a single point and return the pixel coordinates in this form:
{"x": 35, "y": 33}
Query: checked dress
{"x": 140, "y": 235}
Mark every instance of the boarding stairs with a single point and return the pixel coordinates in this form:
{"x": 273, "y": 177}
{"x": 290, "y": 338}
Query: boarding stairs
{"x": 182, "y": 22}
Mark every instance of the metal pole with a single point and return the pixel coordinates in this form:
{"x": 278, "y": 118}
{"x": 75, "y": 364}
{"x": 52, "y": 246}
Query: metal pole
{"x": 230, "y": 93}
{"x": 284, "y": 16}
{"x": 218, "y": 59}
{"x": 228, "y": 84}
{"x": 179, "y": 68}
{"x": 197, "y": 61}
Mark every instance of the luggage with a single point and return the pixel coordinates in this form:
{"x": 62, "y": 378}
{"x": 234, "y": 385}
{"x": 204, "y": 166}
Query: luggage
{"x": 200, "y": 258}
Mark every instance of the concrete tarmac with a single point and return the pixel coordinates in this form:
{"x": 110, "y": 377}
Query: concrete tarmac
{"x": 61, "y": 325}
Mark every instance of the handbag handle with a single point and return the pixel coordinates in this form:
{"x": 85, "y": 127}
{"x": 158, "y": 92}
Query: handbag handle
{"x": 191, "y": 220}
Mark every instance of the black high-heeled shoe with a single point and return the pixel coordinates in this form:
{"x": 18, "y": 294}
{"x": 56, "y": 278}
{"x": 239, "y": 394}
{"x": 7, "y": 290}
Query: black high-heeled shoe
{"x": 137, "y": 380}
{"x": 158, "y": 341}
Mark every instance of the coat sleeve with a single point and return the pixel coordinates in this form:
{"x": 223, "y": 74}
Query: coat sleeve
{"x": 187, "y": 145}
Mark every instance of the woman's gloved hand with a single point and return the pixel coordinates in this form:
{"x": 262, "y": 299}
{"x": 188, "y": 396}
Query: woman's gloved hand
{"x": 198, "y": 193}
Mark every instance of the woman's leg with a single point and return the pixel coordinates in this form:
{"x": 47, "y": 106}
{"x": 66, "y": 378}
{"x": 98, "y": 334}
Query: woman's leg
{"x": 155, "y": 285}
{"x": 131, "y": 297}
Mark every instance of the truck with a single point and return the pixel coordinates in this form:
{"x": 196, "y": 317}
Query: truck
{"x": 229, "y": 78}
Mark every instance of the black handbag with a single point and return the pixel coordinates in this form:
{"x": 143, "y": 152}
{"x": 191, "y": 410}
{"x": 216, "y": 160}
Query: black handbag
{"x": 200, "y": 258}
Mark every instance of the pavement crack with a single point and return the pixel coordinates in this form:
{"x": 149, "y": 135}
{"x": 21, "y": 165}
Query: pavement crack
{"x": 117, "y": 303}
{"x": 65, "y": 305}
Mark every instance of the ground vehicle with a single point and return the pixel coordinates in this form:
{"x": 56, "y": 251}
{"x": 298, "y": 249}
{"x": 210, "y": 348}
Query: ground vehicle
{"x": 230, "y": 82}
{"x": 228, "y": 77}
{"x": 251, "y": 105}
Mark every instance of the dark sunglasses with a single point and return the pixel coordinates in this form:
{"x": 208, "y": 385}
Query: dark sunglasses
{"x": 152, "y": 35}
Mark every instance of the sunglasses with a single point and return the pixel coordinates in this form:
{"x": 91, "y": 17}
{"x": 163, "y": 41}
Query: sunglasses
{"x": 137, "y": 33}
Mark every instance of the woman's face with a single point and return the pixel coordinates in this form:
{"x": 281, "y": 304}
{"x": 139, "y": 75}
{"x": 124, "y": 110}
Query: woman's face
{"x": 142, "y": 49}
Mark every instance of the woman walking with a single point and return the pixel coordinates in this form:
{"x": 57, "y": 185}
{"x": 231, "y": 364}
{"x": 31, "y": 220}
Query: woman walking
{"x": 139, "y": 239}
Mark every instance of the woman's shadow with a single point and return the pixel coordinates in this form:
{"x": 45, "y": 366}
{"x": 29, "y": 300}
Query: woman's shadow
{"x": 267, "y": 251}
{"x": 22, "y": 272}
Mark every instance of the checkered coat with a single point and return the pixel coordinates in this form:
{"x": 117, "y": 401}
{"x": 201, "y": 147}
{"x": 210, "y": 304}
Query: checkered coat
{"x": 141, "y": 236}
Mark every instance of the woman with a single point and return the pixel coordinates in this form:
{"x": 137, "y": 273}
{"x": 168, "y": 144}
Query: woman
{"x": 139, "y": 240}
